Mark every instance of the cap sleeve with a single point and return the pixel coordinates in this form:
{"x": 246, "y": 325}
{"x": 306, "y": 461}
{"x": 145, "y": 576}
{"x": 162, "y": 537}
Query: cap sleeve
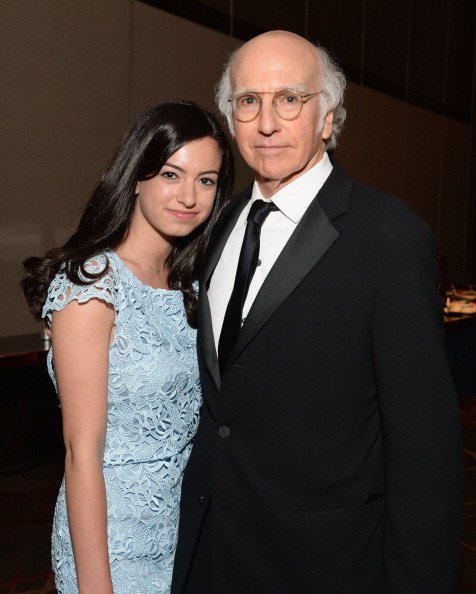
{"x": 62, "y": 291}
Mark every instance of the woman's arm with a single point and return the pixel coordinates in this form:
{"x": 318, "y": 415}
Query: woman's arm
{"x": 81, "y": 336}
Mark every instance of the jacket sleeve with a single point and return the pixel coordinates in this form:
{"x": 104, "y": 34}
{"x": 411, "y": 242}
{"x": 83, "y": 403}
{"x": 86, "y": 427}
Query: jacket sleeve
{"x": 423, "y": 452}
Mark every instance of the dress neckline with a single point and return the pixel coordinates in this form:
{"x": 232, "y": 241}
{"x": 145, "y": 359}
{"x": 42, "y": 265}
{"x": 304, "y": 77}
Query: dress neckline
{"x": 137, "y": 280}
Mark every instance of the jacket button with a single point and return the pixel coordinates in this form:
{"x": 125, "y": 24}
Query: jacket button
{"x": 202, "y": 499}
{"x": 224, "y": 431}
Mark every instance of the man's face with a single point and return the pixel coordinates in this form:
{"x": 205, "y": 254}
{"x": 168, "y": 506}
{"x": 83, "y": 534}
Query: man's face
{"x": 279, "y": 150}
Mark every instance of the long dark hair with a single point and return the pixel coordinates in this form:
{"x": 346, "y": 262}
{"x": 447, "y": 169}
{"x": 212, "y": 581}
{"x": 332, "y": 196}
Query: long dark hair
{"x": 155, "y": 135}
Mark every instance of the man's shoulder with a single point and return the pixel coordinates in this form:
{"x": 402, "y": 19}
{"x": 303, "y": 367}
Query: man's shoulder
{"x": 243, "y": 195}
{"x": 384, "y": 205}
{"x": 227, "y": 211}
{"x": 381, "y": 210}
{"x": 235, "y": 200}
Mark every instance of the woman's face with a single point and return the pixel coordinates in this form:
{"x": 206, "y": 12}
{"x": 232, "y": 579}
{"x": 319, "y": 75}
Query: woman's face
{"x": 181, "y": 196}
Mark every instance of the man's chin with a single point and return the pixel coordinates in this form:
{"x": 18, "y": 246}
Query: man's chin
{"x": 271, "y": 183}
{"x": 281, "y": 175}
{"x": 276, "y": 174}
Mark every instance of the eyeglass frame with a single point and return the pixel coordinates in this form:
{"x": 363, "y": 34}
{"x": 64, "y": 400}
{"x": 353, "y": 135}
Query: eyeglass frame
{"x": 304, "y": 99}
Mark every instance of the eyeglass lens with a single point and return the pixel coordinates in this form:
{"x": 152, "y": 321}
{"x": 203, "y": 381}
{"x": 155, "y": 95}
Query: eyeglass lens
{"x": 246, "y": 107}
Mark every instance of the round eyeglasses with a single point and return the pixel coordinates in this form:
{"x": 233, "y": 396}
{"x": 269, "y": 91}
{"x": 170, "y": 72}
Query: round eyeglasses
{"x": 287, "y": 104}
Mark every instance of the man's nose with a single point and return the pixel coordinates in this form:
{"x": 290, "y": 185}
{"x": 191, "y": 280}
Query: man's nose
{"x": 268, "y": 120}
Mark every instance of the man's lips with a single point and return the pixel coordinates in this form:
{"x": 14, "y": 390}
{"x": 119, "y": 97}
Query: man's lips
{"x": 265, "y": 148}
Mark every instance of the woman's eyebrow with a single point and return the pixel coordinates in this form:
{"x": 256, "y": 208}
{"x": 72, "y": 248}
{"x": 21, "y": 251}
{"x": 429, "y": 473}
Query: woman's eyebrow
{"x": 167, "y": 164}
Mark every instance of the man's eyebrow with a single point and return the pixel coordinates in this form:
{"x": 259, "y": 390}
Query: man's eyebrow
{"x": 167, "y": 164}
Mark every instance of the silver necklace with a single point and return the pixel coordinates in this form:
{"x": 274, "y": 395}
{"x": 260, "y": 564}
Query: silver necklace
{"x": 146, "y": 267}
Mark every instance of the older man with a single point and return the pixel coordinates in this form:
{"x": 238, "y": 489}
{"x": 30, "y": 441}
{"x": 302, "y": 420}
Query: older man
{"x": 328, "y": 457}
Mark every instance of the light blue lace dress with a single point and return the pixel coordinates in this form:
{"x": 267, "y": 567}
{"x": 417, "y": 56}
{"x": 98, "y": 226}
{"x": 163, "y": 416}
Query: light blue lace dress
{"x": 153, "y": 405}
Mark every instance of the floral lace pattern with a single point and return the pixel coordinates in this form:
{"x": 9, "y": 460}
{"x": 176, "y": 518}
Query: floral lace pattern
{"x": 153, "y": 405}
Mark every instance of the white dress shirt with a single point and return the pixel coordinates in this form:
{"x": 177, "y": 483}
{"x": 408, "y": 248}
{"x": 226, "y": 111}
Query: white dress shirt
{"x": 292, "y": 201}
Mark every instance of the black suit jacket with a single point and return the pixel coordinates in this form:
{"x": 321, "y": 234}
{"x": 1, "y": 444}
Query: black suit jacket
{"x": 328, "y": 458}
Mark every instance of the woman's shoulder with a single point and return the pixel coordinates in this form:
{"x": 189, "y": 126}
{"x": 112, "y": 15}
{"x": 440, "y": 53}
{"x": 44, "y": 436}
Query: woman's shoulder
{"x": 98, "y": 280}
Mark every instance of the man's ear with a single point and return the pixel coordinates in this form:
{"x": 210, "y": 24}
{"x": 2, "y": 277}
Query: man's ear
{"x": 327, "y": 128}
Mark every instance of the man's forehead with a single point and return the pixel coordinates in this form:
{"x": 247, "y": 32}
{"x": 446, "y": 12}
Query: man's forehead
{"x": 291, "y": 86}
{"x": 273, "y": 71}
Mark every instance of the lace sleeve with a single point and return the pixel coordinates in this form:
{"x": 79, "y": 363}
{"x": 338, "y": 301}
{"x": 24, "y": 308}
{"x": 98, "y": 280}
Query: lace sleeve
{"x": 62, "y": 291}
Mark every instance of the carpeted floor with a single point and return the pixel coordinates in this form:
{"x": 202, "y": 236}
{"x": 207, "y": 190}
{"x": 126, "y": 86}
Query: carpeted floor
{"x": 27, "y": 502}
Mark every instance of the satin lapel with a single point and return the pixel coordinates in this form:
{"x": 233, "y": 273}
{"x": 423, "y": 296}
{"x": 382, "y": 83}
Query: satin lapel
{"x": 206, "y": 341}
{"x": 221, "y": 232}
{"x": 219, "y": 238}
{"x": 310, "y": 241}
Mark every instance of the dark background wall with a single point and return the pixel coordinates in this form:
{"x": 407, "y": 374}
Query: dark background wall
{"x": 73, "y": 71}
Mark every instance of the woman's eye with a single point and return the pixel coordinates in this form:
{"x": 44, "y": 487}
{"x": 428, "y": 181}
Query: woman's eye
{"x": 169, "y": 175}
{"x": 208, "y": 181}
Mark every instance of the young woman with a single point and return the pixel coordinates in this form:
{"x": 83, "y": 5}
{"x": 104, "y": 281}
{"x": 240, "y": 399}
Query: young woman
{"x": 119, "y": 299}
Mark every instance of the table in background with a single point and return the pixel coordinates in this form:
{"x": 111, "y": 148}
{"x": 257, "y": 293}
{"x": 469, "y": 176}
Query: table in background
{"x": 30, "y": 422}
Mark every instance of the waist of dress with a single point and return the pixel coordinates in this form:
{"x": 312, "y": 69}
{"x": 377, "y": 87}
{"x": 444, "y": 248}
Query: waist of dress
{"x": 174, "y": 457}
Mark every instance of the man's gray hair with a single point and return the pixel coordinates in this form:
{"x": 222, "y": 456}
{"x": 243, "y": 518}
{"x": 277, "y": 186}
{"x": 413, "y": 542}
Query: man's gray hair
{"x": 330, "y": 80}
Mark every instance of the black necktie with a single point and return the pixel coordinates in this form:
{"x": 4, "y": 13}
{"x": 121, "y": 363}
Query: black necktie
{"x": 244, "y": 273}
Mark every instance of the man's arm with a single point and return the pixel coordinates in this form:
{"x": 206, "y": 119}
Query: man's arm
{"x": 420, "y": 424}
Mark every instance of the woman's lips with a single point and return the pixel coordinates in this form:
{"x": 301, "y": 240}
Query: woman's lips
{"x": 183, "y": 215}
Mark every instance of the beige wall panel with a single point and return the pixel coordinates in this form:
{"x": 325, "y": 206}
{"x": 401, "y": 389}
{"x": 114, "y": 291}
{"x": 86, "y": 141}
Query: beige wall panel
{"x": 173, "y": 58}
{"x": 422, "y": 163}
{"x": 381, "y": 142}
{"x": 349, "y": 147}
{"x": 64, "y": 99}
{"x": 454, "y": 213}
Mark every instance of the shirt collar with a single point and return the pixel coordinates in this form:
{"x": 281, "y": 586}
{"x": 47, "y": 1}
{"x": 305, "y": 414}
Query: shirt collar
{"x": 293, "y": 199}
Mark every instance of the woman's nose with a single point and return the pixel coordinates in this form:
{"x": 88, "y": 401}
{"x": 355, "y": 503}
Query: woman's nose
{"x": 187, "y": 195}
